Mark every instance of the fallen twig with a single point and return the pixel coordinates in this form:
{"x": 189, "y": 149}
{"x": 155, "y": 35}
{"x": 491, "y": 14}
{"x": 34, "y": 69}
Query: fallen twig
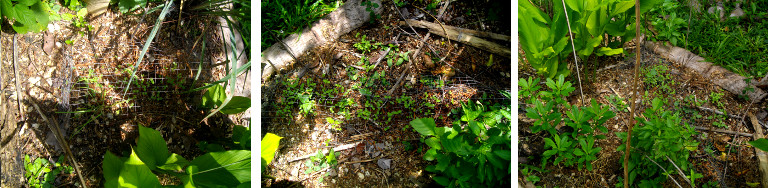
{"x": 718, "y": 112}
{"x": 680, "y": 171}
{"x": 465, "y": 38}
{"x": 722, "y": 131}
{"x": 665, "y": 171}
{"x": 54, "y": 126}
{"x": 16, "y": 77}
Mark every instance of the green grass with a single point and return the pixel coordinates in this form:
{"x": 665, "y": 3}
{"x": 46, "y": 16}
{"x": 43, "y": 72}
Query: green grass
{"x": 737, "y": 45}
{"x": 281, "y": 18}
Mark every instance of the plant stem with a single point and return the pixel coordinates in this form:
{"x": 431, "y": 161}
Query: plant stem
{"x": 634, "y": 93}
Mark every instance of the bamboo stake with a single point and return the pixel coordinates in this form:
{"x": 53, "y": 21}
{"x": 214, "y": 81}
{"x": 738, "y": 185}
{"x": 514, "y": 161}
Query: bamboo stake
{"x": 581, "y": 91}
{"x": 634, "y": 93}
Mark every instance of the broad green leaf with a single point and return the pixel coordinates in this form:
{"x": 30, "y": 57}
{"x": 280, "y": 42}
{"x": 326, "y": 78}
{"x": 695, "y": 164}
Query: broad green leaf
{"x": 174, "y": 162}
{"x": 7, "y": 9}
{"x": 214, "y": 96}
{"x": 602, "y": 51}
{"x": 761, "y": 144}
{"x": 430, "y": 155}
{"x": 111, "y": 167}
{"x": 433, "y": 142}
{"x": 129, "y": 5}
{"x": 187, "y": 181}
{"x": 504, "y": 154}
{"x": 622, "y": 6}
{"x": 229, "y": 168}
{"x": 236, "y": 105}
{"x": 151, "y": 147}
{"x": 269, "y": 145}
{"x": 475, "y": 128}
{"x": 136, "y": 173}
{"x": 647, "y": 5}
{"x": 241, "y": 135}
{"x": 442, "y": 180}
{"x": 26, "y": 2}
{"x": 425, "y": 126}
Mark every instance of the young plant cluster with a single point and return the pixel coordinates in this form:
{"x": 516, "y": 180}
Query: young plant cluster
{"x": 662, "y": 139}
{"x": 658, "y": 77}
{"x": 574, "y": 145}
{"x": 474, "y": 151}
{"x": 40, "y": 167}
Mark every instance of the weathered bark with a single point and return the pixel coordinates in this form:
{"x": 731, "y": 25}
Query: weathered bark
{"x": 349, "y": 16}
{"x": 762, "y": 156}
{"x": 464, "y": 36}
{"x": 722, "y": 77}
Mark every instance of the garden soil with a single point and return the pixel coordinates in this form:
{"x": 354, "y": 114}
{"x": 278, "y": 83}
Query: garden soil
{"x": 77, "y": 77}
{"x": 472, "y": 75}
{"x": 736, "y": 168}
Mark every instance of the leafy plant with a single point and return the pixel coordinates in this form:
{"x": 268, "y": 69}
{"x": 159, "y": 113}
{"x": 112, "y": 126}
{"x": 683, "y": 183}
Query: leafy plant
{"x": 364, "y": 45}
{"x": 663, "y": 138}
{"x": 215, "y": 96}
{"x": 658, "y": 77}
{"x": 584, "y": 121}
{"x": 369, "y": 6}
{"x": 41, "y": 167}
{"x": 334, "y": 123}
{"x": 26, "y": 15}
{"x": 618, "y": 103}
{"x": 669, "y": 25}
{"x": 229, "y": 168}
{"x": 475, "y": 151}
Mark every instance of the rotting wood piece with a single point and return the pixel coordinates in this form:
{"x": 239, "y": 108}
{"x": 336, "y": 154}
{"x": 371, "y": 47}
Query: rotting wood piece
{"x": 349, "y": 16}
{"x": 462, "y": 35}
{"x": 762, "y": 156}
{"x": 722, "y": 77}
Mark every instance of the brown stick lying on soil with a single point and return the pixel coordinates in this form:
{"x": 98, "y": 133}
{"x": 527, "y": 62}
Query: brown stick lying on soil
{"x": 722, "y": 131}
{"x": 462, "y": 35}
{"x": 722, "y": 77}
{"x": 335, "y": 149}
{"x": 762, "y": 156}
{"x": 54, "y": 126}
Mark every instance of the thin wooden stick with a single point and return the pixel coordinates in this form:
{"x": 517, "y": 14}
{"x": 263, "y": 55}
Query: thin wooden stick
{"x": 700, "y": 128}
{"x": 665, "y": 172}
{"x": 575, "y": 60}
{"x": 16, "y": 77}
{"x": 633, "y": 94}
{"x": 336, "y": 149}
{"x": 54, "y": 126}
{"x": 680, "y": 171}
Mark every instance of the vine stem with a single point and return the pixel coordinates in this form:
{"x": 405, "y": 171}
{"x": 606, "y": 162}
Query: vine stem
{"x": 634, "y": 94}
{"x": 573, "y": 46}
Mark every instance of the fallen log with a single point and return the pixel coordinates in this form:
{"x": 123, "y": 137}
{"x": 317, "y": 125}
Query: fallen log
{"x": 464, "y": 36}
{"x": 722, "y": 77}
{"x": 762, "y": 156}
{"x": 349, "y": 16}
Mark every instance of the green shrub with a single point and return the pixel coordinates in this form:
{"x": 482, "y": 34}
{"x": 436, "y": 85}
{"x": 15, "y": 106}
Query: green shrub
{"x": 661, "y": 138}
{"x": 228, "y": 168}
{"x": 474, "y": 152}
{"x": 41, "y": 167}
{"x": 570, "y": 148}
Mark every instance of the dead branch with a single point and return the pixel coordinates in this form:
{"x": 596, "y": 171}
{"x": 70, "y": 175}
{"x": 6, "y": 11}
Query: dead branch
{"x": 460, "y": 36}
{"x": 699, "y": 128}
{"x": 16, "y": 77}
{"x": 680, "y": 171}
{"x": 665, "y": 171}
{"x": 717, "y": 112}
{"x": 54, "y": 126}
